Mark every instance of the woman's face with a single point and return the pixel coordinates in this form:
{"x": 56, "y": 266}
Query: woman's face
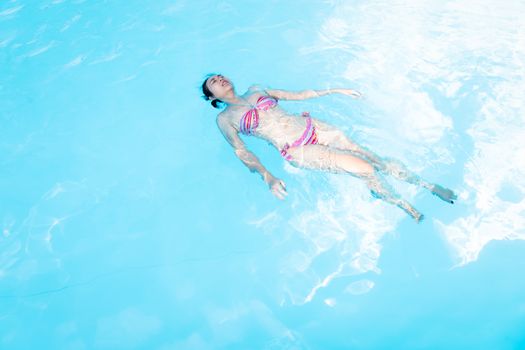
{"x": 219, "y": 85}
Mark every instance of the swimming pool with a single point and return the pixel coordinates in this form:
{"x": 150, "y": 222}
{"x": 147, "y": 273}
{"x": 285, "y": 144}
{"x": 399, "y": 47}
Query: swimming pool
{"x": 128, "y": 223}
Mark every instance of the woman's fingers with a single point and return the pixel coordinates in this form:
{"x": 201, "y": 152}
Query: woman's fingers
{"x": 350, "y": 92}
{"x": 357, "y": 94}
{"x": 283, "y": 185}
{"x": 282, "y": 188}
{"x": 279, "y": 190}
{"x": 278, "y": 194}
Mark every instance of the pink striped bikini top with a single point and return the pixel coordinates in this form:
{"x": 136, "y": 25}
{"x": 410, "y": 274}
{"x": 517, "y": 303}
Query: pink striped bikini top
{"x": 250, "y": 120}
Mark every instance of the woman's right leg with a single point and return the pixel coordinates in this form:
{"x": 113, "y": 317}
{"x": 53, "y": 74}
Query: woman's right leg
{"x": 320, "y": 157}
{"x": 333, "y": 137}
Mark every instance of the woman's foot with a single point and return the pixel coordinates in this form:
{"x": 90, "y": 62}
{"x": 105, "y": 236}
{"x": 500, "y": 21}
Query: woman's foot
{"x": 410, "y": 210}
{"x": 417, "y": 216}
{"x": 444, "y": 193}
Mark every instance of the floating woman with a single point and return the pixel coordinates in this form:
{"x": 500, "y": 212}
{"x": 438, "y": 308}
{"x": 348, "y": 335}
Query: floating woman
{"x": 305, "y": 142}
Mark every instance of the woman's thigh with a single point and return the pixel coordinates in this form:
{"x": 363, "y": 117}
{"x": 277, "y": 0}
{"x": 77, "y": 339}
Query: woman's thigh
{"x": 324, "y": 158}
{"x": 332, "y": 136}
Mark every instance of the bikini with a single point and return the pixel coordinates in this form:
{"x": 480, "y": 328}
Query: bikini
{"x": 250, "y": 121}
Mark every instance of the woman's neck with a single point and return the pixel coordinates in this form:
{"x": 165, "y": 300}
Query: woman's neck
{"x": 235, "y": 99}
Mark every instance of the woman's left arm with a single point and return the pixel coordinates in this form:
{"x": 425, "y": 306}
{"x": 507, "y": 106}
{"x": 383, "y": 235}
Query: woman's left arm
{"x": 306, "y": 94}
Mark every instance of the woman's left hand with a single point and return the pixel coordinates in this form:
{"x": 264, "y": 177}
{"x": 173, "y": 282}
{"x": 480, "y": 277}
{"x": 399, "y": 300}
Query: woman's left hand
{"x": 349, "y": 92}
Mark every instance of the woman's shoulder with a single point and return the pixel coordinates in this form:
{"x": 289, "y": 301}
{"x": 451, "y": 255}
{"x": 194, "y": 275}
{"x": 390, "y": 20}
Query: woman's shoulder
{"x": 226, "y": 118}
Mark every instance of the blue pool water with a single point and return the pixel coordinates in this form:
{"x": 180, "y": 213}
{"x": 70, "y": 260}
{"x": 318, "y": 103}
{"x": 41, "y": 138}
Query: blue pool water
{"x": 128, "y": 222}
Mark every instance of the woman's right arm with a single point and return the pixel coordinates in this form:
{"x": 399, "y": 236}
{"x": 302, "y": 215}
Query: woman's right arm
{"x": 248, "y": 158}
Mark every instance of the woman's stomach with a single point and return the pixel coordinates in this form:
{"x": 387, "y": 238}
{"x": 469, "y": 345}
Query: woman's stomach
{"x": 281, "y": 130}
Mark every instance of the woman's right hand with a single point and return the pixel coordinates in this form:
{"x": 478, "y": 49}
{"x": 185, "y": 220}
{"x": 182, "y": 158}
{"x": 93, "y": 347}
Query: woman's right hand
{"x": 277, "y": 187}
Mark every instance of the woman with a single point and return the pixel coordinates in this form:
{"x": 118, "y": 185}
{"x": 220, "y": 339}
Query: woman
{"x": 304, "y": 141}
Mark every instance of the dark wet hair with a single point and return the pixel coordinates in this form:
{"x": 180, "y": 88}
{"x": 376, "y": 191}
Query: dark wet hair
{"x": 207, "y": 93}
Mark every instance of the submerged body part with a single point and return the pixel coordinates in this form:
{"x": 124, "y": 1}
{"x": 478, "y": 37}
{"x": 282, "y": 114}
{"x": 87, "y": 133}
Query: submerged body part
{"x": 309, "y": 143}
